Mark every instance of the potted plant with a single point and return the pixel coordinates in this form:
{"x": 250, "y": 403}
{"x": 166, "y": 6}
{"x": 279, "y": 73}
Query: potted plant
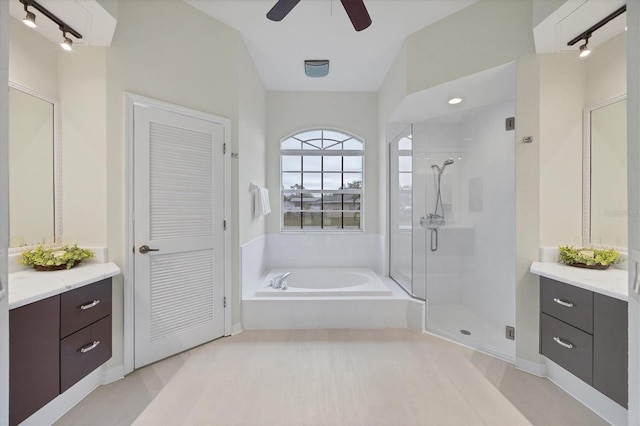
{"x": 55, "y": 258}
{"x": 589, "y": 257}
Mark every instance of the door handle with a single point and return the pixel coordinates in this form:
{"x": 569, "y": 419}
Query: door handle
{"x": 145, "y": 249}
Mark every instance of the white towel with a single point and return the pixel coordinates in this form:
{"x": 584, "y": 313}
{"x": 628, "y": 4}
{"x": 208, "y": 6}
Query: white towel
{"x": 261, "y": 205}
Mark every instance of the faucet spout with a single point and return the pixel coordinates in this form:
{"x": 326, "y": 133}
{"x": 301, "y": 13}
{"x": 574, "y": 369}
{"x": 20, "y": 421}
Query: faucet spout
{"x": 278, "y": 282}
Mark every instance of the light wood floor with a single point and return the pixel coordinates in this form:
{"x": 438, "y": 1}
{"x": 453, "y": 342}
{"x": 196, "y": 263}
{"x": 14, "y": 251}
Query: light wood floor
{"x": 330, "y": 377}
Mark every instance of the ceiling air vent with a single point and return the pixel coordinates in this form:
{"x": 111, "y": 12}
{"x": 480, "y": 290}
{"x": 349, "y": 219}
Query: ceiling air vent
{"x": 316, "y": 67}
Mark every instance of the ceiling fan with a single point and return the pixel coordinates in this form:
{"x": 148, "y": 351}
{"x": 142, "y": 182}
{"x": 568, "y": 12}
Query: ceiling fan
{"x": 355, "y": 9}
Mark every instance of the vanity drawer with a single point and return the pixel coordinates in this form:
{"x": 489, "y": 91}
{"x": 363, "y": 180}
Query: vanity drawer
{"x": 567, "y": 346}
{"x": 84, "y": 306}
{"x": 84, "y": 351}
{"x": 567, "y": 303}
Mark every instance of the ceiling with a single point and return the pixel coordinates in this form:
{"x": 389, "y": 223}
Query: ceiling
{"x": 320, "y": 29}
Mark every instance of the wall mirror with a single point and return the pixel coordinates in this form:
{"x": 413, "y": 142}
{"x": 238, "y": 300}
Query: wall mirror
{"x": 605, "y": 174}
{"x": 34, "y": 168}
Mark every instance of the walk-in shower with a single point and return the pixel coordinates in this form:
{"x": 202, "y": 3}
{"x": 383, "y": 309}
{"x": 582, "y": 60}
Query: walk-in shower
{"x": 452, "y": 221}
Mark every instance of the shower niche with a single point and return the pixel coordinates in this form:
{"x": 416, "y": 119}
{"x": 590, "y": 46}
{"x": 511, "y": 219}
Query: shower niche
{"x": 452, "y": 223}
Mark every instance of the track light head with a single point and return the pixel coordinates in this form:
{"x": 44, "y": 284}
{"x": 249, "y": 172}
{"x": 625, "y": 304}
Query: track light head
{"x": 30, "y": 19}
{"x": 66, "y": 43}
{"x": 584, "y": 49}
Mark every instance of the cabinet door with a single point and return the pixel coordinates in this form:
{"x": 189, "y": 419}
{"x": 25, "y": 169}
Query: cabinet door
{"x": 610, "y": 347}
{"x": 34, "y": 351}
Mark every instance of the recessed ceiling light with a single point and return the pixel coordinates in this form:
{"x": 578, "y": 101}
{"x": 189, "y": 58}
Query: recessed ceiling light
{"x": 454, "y": 101}
{"x": 316, "y": 67}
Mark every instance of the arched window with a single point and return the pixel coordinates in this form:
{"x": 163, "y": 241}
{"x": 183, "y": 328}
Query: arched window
{"x": 322, "y": 179}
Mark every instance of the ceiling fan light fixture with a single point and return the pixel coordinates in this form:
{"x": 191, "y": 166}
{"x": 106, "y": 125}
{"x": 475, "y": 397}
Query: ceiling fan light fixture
{"x": 316, "y": 67}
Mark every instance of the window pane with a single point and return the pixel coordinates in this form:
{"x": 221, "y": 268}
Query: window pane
{"x": 292, "y": 220}
{"x": 291, "y": 163}
{"x": 351, "y": 220}
{"x": 332, "y": 181}
{"x": 352, "y": 144}
{"x": 311, "y": 201}
{"x": 332, "y": 164}
{"x": 331, "y": 135}
{"x": 405, "y": 181}
{"x": 309, "y": 135}
{"x": 331, "y": 145}
{"x": 332, "y": 202}
{"x": 312, "y": 164}
{"x": 291, "y": 202}
{"x": 333, "y": 220}
{"x": 352, "y": 164}
{"x": 311, "y": 220}
{"x": 404, "y": 163}
{"x": 404, "y": 143}
{"x": 291, "y": 143}
{"x": 312, "y": 144}
{"x": 312, "y": 180}
{"x": 351, "y": 202}
{"x": 352, "y": 180}
{"x": 292, "y": 180}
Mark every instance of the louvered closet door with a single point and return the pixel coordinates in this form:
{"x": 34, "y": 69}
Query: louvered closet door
{"x": 178, "y": 208}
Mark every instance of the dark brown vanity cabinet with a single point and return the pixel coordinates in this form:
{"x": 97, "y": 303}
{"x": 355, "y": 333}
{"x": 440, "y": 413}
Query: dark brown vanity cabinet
{"x": 56, "y": 342}
{"x": 586, "y": 334}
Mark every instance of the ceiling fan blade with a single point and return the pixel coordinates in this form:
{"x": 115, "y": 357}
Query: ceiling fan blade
{"x": 357, "y": 13}
{"x": 281, "y": 9}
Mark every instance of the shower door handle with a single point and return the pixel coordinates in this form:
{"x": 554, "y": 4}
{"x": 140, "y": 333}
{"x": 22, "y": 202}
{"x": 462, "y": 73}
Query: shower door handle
{"x": 434, "y": 239}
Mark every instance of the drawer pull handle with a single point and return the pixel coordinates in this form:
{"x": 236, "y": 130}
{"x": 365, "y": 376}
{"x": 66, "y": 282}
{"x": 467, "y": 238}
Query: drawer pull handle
{"x": 90, "y": 346}
{"x": 563, "y": 303}
{"x": 563, "y": 343}
{"x": 90, "y": 304}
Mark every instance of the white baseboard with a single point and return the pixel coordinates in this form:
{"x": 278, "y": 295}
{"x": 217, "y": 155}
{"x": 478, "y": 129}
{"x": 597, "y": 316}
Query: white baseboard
{"x": 112, "y": 375}
{"x": 535, "y": 368}
{"x": 594, "y": 400}
{"x": 64, "y": 402}
{"x": 236, "y": 328}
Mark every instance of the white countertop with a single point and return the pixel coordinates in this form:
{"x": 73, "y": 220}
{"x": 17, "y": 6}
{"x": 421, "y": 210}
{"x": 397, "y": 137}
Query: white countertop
{"x": 30, "y": 286}
{"x": 610, "y": 282}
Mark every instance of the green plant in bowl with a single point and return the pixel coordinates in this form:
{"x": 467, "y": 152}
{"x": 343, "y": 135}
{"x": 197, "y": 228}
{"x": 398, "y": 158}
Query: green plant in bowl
{"x": 55, "y": 258}
{"x": 589, "y": 257}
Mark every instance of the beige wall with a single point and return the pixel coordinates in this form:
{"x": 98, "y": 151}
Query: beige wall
{"x": 355, "y": 113}
{"x": 481, "y": 36}
{"x": 606, "y": 73}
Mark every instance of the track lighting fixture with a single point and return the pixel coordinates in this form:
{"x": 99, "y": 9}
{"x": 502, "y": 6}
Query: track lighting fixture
{"x": 30, "y": 20}
{"x": 66, "y": 43}
{"x": 584, "y": 48}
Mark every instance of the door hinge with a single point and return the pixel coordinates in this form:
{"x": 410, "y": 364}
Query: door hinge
{"x": 510, "y": 332}
{"x": 224, "y": 148}
{"x": 224, "y": 225}
{"x": 224, "y": 302}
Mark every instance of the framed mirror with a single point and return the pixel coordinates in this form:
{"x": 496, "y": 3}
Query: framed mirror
{"x": 604, "y": 211}
{"x": 34, "y": 168}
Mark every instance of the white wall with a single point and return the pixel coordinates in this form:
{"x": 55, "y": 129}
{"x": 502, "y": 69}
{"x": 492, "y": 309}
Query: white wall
{"x": 355, "y": 113}
{"x": 486, "y": 34}
{"x": 606, "y": 71}
{"x": 4, "y": 212}
{"x": 562, "y": 98}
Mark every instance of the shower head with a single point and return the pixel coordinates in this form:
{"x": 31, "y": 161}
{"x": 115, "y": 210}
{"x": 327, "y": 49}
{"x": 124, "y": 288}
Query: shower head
{"x": 441, "y": 169}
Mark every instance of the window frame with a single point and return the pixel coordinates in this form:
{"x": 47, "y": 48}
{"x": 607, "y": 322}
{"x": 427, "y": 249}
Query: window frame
{"x": 322, "y": 153}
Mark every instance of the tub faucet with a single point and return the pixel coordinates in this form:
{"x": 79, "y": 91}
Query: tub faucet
{"x": 278, "y": 282}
